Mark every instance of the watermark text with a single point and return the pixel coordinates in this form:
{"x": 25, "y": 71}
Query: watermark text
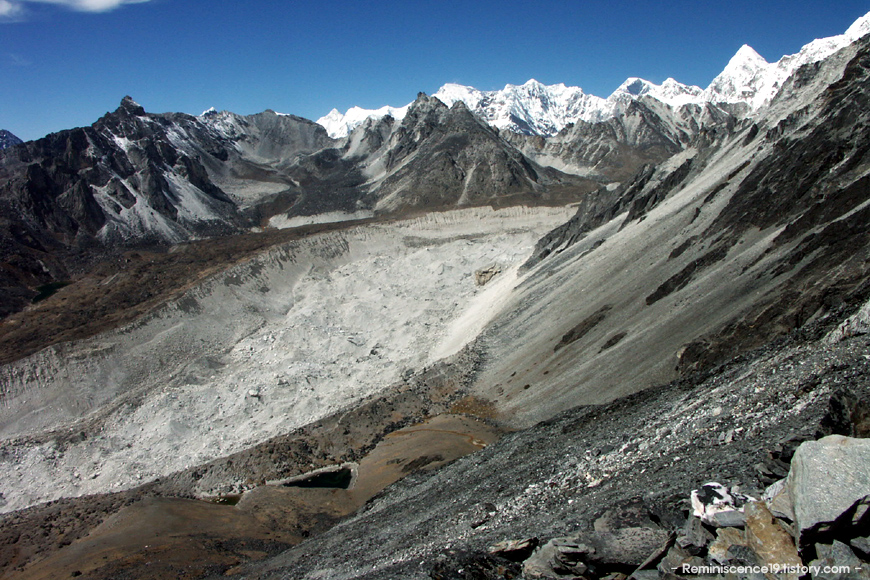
{"x": 765, "y": 569}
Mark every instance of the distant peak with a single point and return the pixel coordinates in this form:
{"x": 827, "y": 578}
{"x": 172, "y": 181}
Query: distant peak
{"x": 747, "y": 54}
{"x": 634, "y": 86}
{"x": 7, "y": 139}
{"x": 209, "y": 112}
{"x": 131, "y": 106}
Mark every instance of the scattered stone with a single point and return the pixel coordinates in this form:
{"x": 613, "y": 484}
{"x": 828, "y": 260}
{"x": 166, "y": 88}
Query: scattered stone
{"x": 676, "y": 559}
{"x": 656, "y": 557}
{"x": 633, "y": 514}
{"x": 514, "y": 550}
{"x": 771, "y": 470}
{"x": 778, "y": 500}
{"x": 829, "y": 484}
{"x": 604, "y": 552}
{"x": 481, "y": 277}
{"x": 571, "y": 558}
{"x": 747, "y": 562}
{"x": 467, "y": 564}
{"x": 727, "y": 519}
{"x": 861, "y": 546}
{"x": 541, "y": 563}
{"x": 770, "y": 542}
{"x": 858, "y": 323}
{"x": 694, "y": 538}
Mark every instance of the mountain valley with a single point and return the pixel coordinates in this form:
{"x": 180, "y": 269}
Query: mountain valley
{"x": 499, "y": 319}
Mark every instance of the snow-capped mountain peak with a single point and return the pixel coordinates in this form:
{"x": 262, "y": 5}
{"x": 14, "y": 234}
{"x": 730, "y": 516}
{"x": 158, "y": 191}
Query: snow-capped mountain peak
{"x": 748, "y": 80}
{"x": 670, "y": 92}
{"x": 859, "y": 28}
{"x": 452, "y": 92}
{"x": 741, "y": 80}
{"x": 532, "y": 107}
{"x": 338, "y": 125}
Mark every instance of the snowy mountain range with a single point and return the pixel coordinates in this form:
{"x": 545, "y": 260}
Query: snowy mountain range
{"x": 748, "y": 82}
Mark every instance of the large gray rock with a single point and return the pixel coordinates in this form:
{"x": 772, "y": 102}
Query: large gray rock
{"x": 829, "y": 483}
{"x": 694, "y": 537}
{"x": 837, "y": 562}
{"x": 514, "y": 550}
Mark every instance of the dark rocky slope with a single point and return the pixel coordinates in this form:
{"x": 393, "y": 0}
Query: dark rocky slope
{"x": 640, "y": 457}
{"x": 645, "y": 132}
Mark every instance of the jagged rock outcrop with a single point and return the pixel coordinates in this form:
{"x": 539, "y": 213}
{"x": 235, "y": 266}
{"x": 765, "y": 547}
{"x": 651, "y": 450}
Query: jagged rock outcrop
{"x": 441, "y": 157}
{"x": 120, "y": 181}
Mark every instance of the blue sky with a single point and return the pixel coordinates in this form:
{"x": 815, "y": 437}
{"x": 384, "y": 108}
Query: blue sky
{"x": 64, "y": 63}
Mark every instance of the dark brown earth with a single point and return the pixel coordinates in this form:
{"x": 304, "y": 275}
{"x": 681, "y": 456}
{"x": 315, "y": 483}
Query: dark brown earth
{"x": 164, "y": 537}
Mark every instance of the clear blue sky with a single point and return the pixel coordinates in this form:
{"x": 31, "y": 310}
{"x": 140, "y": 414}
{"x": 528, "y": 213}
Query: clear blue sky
{"x": 66, "y": 62}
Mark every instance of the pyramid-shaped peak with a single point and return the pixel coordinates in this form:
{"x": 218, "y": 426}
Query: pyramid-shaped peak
{"x": 131, "y": 106}
{"x": 634, "y": 86}
{"x": 747, "y": 55}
